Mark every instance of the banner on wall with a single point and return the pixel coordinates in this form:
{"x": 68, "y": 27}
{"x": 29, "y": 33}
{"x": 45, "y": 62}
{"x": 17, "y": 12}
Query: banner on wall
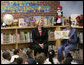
{"x": 24, "y": 7}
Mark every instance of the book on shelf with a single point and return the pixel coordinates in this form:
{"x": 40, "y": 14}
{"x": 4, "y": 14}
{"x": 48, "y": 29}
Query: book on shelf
{"x": 31, "y": 37}
{"x": 50, "y": 35}
{"x": 48, "y": 20}
{"x": 1, "y": 38}
{"x": 61, "y": 34}
{"x": 45, "y": 20}
{"x": 37, "y": 18}
{"x": 24, "y": 37}
{"x": 26, "y": 20}
{"x": 8, "y": 38}
{"x": 21, "y": 22}
{"x": 30, "y": 21}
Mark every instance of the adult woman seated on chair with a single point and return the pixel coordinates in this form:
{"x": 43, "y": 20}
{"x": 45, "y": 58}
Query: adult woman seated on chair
{"x": 67, "y": 44}
{"x": 40, "y": 38}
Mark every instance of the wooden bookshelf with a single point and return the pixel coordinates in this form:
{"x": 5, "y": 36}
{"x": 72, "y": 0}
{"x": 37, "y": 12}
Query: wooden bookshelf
{"x": 16, "y": 27}
{"x": 24, "y": 44}
{"x": 8, "y": 44}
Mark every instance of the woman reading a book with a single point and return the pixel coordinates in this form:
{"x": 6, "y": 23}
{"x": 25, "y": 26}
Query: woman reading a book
{"x": 40, "y": 38}
{"x": 67, "y": 44}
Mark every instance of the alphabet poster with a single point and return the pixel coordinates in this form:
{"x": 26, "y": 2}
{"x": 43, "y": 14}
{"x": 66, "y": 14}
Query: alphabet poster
{"x": 24, "y": 7}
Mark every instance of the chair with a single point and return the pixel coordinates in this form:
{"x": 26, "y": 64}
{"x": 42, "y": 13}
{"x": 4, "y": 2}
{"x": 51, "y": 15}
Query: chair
{"x": 75, "y": 52}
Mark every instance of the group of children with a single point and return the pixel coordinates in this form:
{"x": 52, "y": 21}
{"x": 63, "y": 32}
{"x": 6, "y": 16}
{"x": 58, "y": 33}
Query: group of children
{"x": 19, "y": 57}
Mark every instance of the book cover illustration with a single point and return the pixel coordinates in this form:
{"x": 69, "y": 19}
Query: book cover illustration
{"x": 21, "y": 22}
{"x": 61, "y": 34}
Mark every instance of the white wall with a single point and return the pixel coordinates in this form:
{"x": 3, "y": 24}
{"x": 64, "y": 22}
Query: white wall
{"x": 71, "y": 7}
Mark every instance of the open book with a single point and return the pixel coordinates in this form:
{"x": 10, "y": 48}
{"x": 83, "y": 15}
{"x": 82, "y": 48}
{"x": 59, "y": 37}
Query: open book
{"x": 61, "y": 34}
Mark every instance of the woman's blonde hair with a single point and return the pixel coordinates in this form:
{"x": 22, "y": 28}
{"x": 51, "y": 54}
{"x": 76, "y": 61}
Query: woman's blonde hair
{"x": 37, "y": 22}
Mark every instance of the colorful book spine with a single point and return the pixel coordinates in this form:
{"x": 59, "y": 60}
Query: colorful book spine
{"x": 8, "y": 38}
{"x": 24, "y": 37}
{"x": 50, "y": 35}
{"x": 1, "y": 38}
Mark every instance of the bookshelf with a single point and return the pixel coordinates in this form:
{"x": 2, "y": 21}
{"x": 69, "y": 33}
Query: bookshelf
{"x": 15, "y": 30}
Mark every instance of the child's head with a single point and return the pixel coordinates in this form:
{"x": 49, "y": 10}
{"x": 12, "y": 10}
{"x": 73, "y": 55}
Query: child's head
{"x": 29, "y": 53}
{"x": 18, "y": 60}
{"x": 40, "y": 58}
{"x": 24, "y": 57}
{"x": 51, "y": 55}
{"x": 67, "y": 22}
{"x": 69, "y": 55}
{"x": 6, "y": 55}
{"x": 16, "y": 52}
{"x": 68, "y": 59}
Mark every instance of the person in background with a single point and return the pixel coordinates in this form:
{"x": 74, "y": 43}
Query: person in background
{"x": 68, "y": 59}
{"x": 40, "y": 58}
{"x": 6, "y": 57}
{"x": 67, "y": 44}
{"x": 24, "y": 57}
{"x": 18, "y": 60}
{"x": 40, "y": 38}
{"x": 52, "y": 59}
{"x": 16, "y": 54}
{"x": 30, "y": 58}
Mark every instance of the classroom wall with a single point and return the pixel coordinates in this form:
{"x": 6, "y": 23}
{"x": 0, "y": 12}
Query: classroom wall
{"x": 52, "y": 4}
{"x": 70, "y": 7}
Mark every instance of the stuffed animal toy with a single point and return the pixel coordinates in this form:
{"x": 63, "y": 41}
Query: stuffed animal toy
{"x": 60, "y": 14}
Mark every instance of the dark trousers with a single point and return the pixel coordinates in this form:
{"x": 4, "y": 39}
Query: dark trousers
{"x": 38, "y": 49}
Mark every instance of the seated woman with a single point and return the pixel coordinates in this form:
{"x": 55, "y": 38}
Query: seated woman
{"x": 40, "y": 38}
{"x": 67, "y": 44}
